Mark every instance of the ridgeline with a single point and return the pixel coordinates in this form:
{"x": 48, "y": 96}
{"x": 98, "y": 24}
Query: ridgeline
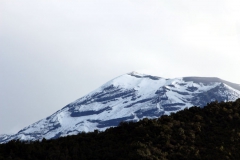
{"x": 212, "y": 132}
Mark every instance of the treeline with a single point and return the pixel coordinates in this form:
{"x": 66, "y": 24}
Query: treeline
{"x": 212, "y": 132}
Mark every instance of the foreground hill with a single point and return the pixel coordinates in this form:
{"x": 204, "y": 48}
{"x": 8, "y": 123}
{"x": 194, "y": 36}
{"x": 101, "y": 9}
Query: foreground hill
{"x": 129, "y": 97}
{"x": 212, "y": 132}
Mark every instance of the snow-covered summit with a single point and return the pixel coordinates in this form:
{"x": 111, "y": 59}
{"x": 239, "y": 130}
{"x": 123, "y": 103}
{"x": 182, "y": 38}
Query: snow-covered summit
{"x": 129, "y": 97}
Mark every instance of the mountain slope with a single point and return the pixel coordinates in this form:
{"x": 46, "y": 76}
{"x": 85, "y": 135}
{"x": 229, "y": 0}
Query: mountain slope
{"x": 212, "y": 132}
{"x": 129, "y": 97}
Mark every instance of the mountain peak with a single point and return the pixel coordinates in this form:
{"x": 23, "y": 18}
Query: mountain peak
{"x": 142, "y": 75}
{"x": 129, "y": 97}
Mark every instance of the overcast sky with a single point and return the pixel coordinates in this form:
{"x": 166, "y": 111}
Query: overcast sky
{"x": 52, "y": 52}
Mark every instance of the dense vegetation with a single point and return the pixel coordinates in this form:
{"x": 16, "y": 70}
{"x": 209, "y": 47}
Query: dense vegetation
{"x": 212, "y": 132}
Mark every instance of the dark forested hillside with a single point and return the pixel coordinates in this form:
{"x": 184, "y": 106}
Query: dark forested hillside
{"x": 212, "y": 132}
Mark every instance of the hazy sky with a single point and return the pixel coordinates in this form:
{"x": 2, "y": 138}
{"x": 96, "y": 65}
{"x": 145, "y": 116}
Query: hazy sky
{"x": 52, "y": 52}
